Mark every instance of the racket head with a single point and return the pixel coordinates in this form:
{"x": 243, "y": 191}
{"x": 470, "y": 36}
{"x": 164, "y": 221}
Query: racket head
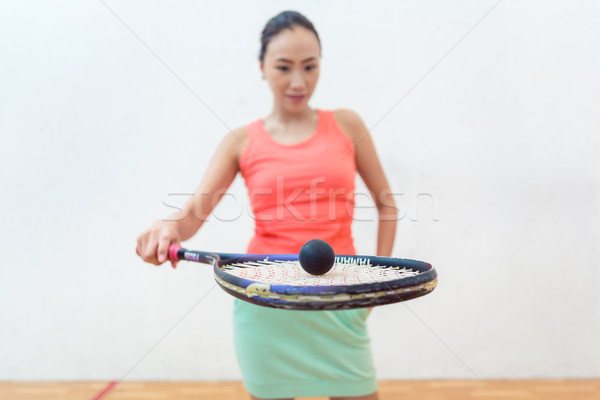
{"x": 279, "y": 281}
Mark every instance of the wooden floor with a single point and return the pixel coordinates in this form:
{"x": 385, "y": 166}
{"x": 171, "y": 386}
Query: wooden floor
{"x": 388, "y": 390}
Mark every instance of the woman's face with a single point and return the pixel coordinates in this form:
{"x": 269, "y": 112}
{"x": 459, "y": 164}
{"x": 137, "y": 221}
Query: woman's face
{"x": 291, "y": 66}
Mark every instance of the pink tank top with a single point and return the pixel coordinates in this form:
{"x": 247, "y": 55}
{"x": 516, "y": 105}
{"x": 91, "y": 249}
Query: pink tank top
{"x": 301, "y": 191}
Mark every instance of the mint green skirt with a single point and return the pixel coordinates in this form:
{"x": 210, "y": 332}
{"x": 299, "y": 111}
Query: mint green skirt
{"x": 285, "y": 353}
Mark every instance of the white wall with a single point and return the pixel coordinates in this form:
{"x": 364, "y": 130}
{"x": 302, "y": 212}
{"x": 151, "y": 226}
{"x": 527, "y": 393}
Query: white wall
{"x": 101, "y": 123}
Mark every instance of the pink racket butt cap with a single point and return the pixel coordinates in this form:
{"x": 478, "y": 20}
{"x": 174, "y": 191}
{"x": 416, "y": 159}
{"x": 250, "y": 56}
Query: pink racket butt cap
{"x": 173, "y": 249}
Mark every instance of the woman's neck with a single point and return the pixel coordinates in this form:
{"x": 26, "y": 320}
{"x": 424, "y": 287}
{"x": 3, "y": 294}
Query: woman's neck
{"x": 286, "y": 117}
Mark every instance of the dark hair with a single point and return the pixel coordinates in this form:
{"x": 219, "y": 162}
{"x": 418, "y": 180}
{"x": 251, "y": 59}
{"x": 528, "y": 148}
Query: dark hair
{"x": 283, "y": 20}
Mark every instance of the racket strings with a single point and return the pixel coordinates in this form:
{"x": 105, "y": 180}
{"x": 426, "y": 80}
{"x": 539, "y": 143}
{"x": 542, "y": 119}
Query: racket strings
{"x": 291, "y": 273}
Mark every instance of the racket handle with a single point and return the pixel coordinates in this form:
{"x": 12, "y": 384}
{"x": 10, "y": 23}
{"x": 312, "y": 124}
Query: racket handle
{"x": 172, "y": 254}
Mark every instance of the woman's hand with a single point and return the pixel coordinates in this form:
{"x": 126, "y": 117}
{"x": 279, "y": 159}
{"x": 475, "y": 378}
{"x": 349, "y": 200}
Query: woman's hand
{"x": 153, "y": 244}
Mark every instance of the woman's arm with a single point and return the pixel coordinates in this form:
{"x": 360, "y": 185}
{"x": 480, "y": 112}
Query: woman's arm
{"x": 370, "y": 170}
{"x": 153, "y": 243}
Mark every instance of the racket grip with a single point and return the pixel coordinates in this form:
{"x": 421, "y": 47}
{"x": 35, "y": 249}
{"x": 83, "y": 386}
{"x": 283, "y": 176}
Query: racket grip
{"x": 171, "y": 254}
{"x": 173, "y": 249}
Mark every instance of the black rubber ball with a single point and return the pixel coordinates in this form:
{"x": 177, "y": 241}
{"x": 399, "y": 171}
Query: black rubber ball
{"x": 316, "y": 257}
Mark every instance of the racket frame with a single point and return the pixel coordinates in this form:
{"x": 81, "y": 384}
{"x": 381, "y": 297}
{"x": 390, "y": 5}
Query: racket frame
{"x": 315, "y": 297}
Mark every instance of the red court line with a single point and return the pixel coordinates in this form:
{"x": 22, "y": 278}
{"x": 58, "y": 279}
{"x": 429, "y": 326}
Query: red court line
{"x": 106, "y": 390}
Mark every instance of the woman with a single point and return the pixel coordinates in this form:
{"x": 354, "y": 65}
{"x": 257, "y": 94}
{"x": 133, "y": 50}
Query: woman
{"x": 299, "y": 165}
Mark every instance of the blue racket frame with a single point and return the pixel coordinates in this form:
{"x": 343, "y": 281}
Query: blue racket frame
{"x": 315, "y": 297}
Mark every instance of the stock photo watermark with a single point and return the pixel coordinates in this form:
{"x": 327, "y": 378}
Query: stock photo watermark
{"x": 318, "y": 202}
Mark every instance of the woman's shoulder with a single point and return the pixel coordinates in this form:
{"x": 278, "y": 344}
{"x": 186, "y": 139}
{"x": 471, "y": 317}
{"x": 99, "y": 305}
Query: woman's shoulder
{"x": 235, "y": 141}
{"x": 241, "y": 132}
{"x": 350, "y": 122}
{"x": 236, "y": 137}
